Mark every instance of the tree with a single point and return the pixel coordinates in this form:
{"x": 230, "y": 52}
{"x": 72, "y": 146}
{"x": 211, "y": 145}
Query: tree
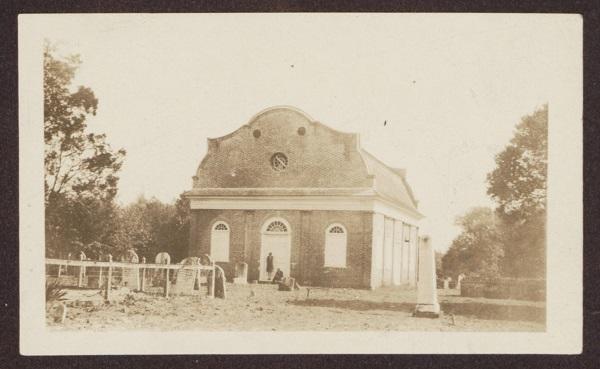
{"x": 182, "y": 228}
{"x": 77, "y": 163}
{"x": 478, "y": 250}
{"x": 518, "y": 185}
{"x": 438, "y": 255}
{"x": 150, "y": 227}
{"x": 80, "y": 179}
{"x": 134, "y": 230}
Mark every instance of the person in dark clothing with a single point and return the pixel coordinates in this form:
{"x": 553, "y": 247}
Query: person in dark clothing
{"x": 270, "y": 266}
{"x": 278, "y": 276}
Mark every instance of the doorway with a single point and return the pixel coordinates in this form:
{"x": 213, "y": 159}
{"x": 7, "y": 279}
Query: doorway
{"x": 275, "y": 239}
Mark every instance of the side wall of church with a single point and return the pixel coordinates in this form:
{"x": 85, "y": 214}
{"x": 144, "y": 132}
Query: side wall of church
{"x": 308, "y": 232}
{"x": 394, "y": 254}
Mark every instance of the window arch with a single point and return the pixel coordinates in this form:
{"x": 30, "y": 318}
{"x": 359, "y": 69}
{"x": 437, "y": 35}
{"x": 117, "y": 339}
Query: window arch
{"x": 219, "y": 242}
{"x": 335, "y": 246}
{"x": 277, "y": 226}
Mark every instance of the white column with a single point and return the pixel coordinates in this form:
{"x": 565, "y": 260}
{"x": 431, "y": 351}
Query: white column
{"x": 388, "y": 245}
{"x": 405, "y": 254}
{"x": 412, "y": 258}
{"x": 377, "y": 251}
{"x": 397, "y": 253}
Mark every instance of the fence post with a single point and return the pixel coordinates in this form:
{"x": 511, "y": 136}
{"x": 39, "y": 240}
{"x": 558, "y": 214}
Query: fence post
{"x": 80, "y": 281}
{"x": 143, "y": 281}
{"x": 167, "y": 283}
{"x": 212, "y": 281}
{"x": 108, "y": 279}
{"x": 100, "y": 278}
{"x": 67, "y": 264}
{"x": 59, "y": 270}
{"x": 197, "y": 275}
{"x": 83, "y": 257}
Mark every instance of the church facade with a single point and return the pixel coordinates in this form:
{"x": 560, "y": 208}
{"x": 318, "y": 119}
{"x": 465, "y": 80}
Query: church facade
{"x": 330, "y": 213}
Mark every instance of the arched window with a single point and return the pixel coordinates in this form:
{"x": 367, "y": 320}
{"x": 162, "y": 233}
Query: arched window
{"x": 219, "y": 242}
{"x": 335, "y": 246}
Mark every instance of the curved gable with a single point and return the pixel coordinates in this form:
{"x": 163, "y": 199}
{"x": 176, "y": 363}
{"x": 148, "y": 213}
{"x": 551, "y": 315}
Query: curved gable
{"x": 317, "y": 156}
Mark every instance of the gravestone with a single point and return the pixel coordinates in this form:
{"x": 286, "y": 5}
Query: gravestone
{"x": 447, "y": 283}
{"x": 184, "y": 282}
{"x": 185, "y": 279}
{"x": 132, "y": 256}
{"x": 220, "y": 290}
{"x": 203, "y": 278}
{"x": 131, "y": 275}
{"x": 458, "y": 280}
{"x": 159, "y": 275}
{"x": 162, "y": 258}
{"x": 205, "y": 259}
{"x": 190, "y": 260}
{"x": 82, "y": 257}
{"x": 241, "y": 273}
{"x": 427, "y": 301}
{"x": 287, "y": 284}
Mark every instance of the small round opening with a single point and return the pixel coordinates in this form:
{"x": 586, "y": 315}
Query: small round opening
{"x": 256, "y": 133}
{"x": 301, "y": 131}
{"x": 279, "y": 161}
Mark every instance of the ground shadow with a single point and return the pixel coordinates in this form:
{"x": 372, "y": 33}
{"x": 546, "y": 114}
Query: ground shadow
{"x": 359, "y": 305}
{"x": 479, "y": 310}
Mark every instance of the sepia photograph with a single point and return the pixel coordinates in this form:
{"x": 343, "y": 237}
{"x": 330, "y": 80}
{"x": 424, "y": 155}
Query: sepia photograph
{"x": 300, "y": 183}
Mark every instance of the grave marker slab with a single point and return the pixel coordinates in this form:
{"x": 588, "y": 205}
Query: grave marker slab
{"x": 241, "y": 273}
{"x": 184, "y": 282}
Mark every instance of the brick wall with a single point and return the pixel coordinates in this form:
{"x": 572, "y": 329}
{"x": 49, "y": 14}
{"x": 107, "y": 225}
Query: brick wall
{"x": 321, "y": 157}
{"x": 307, "y": 244}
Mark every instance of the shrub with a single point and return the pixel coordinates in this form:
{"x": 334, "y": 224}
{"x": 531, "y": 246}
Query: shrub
{"x": 54, "y": 292}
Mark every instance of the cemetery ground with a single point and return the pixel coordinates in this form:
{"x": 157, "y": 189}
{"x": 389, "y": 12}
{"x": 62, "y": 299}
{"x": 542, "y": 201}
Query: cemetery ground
{"x": 263, "y": 308}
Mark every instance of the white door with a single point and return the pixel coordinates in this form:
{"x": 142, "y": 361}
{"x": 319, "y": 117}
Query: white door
{"x": 276, "y": 240}
{"x": 219, "y": 242}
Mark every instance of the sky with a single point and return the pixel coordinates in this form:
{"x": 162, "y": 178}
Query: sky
{"x": 450, "y": 87}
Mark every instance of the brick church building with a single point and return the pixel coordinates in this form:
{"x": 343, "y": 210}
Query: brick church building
{"x": 330, "y": 213}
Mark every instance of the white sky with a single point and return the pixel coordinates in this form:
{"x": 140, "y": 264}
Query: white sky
{"x": 451, "y": 88}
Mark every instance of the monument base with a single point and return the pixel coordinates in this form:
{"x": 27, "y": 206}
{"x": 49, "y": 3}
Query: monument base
{"x": 427, "y": 311}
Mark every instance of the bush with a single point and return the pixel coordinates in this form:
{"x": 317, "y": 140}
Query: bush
{"x": 54, "y": 292}
{"x": 504, "y": 288}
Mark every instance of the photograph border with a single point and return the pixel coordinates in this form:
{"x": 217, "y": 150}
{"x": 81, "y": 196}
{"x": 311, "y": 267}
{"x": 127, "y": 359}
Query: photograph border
{"x": 589, "y": 139}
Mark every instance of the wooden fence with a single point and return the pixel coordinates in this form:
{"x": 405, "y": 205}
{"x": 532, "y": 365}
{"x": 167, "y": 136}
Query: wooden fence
{"x": 110, "y": 273}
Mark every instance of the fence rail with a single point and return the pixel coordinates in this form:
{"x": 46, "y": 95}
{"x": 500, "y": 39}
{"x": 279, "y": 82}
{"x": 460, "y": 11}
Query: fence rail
{"x": 121, "y": 264}
{"x": 107, "y": 274}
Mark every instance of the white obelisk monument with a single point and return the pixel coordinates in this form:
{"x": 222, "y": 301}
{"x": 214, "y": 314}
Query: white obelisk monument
{"x": 427, "y": 301}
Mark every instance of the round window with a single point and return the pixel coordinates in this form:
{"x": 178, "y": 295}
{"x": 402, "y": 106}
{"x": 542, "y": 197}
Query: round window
{"x": 279, "y": 161}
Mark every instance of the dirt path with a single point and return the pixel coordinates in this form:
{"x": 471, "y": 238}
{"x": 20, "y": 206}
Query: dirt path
{"x": 263, "y": 308}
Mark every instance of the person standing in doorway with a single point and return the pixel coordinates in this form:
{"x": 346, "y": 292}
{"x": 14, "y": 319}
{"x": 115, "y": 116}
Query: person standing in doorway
{"x": 270, "y": 266}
